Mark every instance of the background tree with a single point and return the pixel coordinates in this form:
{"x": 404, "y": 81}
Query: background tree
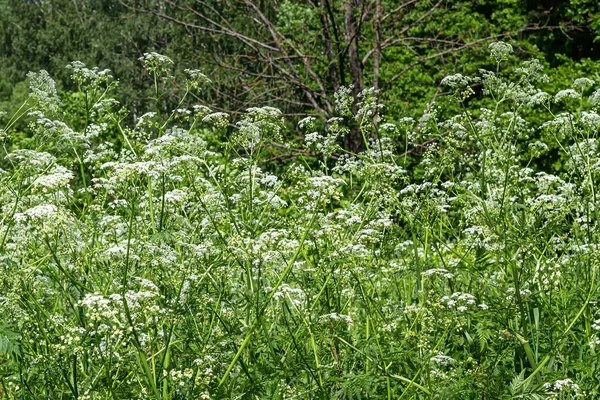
{"x": 297, "y": 54}
{"x": 292, "y": 54}
{"x": 48, "y": 35}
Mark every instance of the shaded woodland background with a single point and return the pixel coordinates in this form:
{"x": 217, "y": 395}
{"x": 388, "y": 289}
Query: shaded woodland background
{"x": 291, "y": 54}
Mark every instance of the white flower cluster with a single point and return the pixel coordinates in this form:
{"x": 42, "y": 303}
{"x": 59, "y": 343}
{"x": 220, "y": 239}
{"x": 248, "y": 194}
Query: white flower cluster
{"x": 437, "y": 272}
{"x": 321, "y": 190}
{"x": 196, "y": 79}
{"x": 583, "y": 84}
{"x": 443, "y": 360}
{"x": 40, "y": 212}
{"x": 456, "y": 81}
{"x": 58, "y": 179}
{"x": 295, "y": 295}
{"x": 344, "y": 100}
{"x": 258, "y": 124}
{"x": 563, "y": 385}
{"x": 43, "y": 90}
{"x": 567, "y": 94}
{"x": 98, "y": 307}
{"x": 336, "y": 317}
{"x": 86, "y": 78}
{"x": 459, "y": 301}
{"x": 218, "y": 119}
{"x": 499, "y": 51}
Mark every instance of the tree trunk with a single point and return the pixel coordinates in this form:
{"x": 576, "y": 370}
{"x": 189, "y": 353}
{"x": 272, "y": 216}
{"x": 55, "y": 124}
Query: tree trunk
{"x": 332, "y": 67}
{"x": 354, "y": 141}
{"x": 377, "y": 53}
{"x": 352, "y": 37}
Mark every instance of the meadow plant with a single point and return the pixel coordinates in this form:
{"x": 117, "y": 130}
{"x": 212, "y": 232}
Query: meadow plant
{"x": 447, "y": 260}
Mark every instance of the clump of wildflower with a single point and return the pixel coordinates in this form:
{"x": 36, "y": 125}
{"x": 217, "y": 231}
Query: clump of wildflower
{"x": 307, "y": 123}
{"x": 147, "y": 120}
{"x": 437, "y": 272}
{"x": 459, "y": 301}
{"x": 563, "y": 385}
{"x": 175, "y": 196}
{"x": 201, "y": 110}
{"x": 499, "y": 51}
{"x": 30, "y": 160}
{"x": 590, "y": 120}
{"x": 59, "y": 178}
{"x": 583, "y": 84}
{"x": 388, "y": 129}
{"x": 325, "y": 143}
{"x": 104, "y": 107}
{"x": 541, "y": 98}
{"x": 47, "y": 217}
{"x": 344, "y": 100}
{"x": 321, "y": 190}
{"x": 336, "y": 317}
{"x": 538, "y": 148}
{"x": 196, "y": 79}
{"x": 295, "y": 295}
{"x": 57, "y": 132}
{"x": 98, "y": 307}
{"x": 595, "y": 339}
{"x": 259, "y": 123}
{"x": 443, "y": 360}
{"x": 312, "y": 138}
{"x": 595, "y": 98}
{"x": 482, "y": 236}
{"x": 460, "y": 85}
{"x": 532, "y": 71}
{"x": 567, "y": 94}
{"x": 456, "y": 81}
{"x": 524, "y": 293}
{"x": 38, "y": 212}
{"x": 182, "y": 113}
{"x": 43, "y": 91}
{"x": 156, "y": 63}
{"x": 368, "y": 106}
{"x": 86, "y": 78}
{"x": 219, "y": 120}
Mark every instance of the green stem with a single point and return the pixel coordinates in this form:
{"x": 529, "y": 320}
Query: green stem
{"x": 267, "y": 301}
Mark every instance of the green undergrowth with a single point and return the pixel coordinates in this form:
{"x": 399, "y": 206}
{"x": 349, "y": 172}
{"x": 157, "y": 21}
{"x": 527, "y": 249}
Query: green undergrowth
{"x": 189, "y": 256}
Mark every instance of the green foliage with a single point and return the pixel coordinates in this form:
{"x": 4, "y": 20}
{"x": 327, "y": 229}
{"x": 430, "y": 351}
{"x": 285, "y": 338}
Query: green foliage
{"x": 183, "y": 256}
